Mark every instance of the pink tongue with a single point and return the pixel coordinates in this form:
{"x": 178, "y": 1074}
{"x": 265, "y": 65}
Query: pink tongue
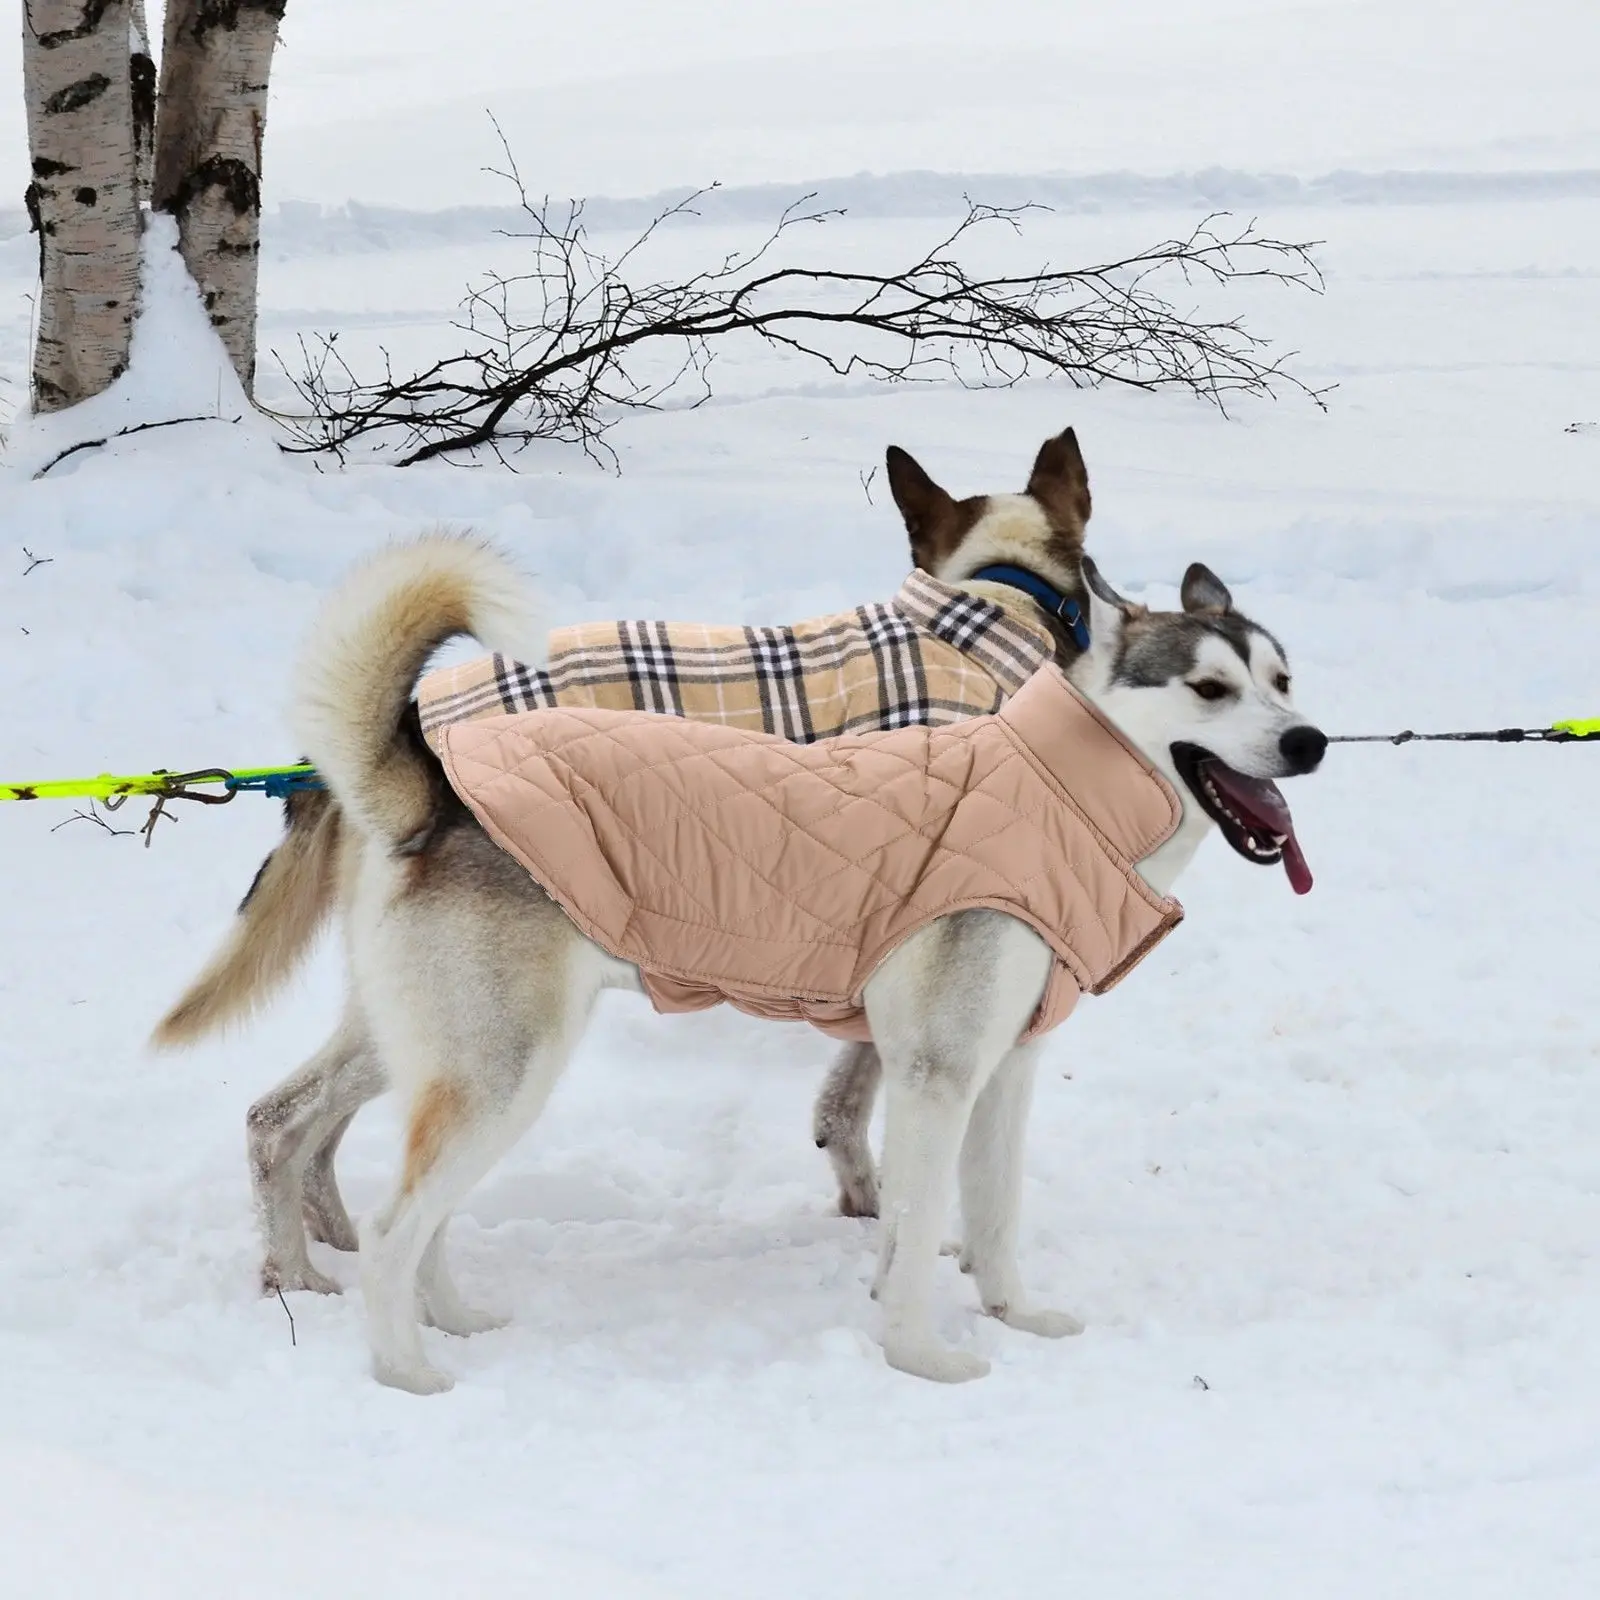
{"x": 1294, "y": 863}
{"x": 1263, "y": 804}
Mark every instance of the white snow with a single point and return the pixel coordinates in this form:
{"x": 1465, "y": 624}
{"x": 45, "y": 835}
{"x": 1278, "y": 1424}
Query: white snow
{"x": 1337, "y": 1158}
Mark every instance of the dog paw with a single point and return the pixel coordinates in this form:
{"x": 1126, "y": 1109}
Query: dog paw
{"x": 937, "y": 1362}
{"x": 286, "y": 1280}
{"x": 329, "y": 1228}
{"x": 414, "y": 1380}
{"x": 462, "y": 1321}
{"x": 1047, "y": 1324}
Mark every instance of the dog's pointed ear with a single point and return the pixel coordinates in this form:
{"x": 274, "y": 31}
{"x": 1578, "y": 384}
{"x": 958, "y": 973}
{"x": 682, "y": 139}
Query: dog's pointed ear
{"x": 1101, "y": 591}
{"x": 1204, "y": 592}
{"x": 1060, "y": 481}
{"x": 1108, "y": 610}
{"x": 924, "y": 506}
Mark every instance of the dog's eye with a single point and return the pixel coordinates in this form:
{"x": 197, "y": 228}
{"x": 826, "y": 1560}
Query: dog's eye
{"x": 1209, "y": 689}
{"x": 1281, "y": 683}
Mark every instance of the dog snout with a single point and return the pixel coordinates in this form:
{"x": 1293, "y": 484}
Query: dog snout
{"x": 1303, "y": 748}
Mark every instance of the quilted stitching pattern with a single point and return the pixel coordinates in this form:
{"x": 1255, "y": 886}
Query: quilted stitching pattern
{"x": 777, "y": 875}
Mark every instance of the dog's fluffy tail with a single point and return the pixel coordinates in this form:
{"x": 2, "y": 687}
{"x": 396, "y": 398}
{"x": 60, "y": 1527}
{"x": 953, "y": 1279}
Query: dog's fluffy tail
{"x": 278, "y": 919}
{"x": 353, "y": 689}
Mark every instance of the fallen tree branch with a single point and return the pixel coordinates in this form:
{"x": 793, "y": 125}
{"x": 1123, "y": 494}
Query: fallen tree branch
{"x": 122, "y": 433}
{"x": 558, "y": 352}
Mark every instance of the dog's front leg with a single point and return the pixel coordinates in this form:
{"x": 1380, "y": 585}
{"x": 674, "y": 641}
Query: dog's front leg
{"x": 991, "y": 1198}
{"x": 946, "y": 1008}
{"x": 927, "y": 1107}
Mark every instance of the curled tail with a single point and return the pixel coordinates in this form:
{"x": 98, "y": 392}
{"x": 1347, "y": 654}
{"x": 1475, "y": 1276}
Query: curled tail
{"x": 353, "y": 696}
{"x": 278, "y": 919}
{"x": 353, "y": 689}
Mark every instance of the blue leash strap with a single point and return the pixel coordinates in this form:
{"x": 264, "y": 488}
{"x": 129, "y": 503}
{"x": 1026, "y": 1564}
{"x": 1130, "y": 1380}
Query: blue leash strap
{"x": 276, "y": 785}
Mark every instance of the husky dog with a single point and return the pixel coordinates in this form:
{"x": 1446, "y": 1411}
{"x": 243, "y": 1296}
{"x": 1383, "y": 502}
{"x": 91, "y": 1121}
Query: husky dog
{"x": 294, "y": 1131}
{"x": 475, "y": 986}
{"x": 1204, "y": 692}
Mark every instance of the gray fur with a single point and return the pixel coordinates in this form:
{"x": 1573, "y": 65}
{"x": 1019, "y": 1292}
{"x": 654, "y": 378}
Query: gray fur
{"x": 1159, "y": 646}
{"x": 843, "y": 1112}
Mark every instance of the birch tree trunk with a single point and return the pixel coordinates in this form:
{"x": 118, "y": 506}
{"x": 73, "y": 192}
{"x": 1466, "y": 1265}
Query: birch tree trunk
{"x": 82, "y": 200}
{"x": 212, "y": 113}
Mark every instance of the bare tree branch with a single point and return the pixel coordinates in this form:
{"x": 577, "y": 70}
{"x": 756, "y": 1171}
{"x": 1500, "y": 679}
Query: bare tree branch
{"x": 559, "y": 351}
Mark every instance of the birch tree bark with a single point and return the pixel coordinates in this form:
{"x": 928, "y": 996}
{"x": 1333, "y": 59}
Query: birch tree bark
{"x": 211, "y": 116}
{"x": 82, "y": 200}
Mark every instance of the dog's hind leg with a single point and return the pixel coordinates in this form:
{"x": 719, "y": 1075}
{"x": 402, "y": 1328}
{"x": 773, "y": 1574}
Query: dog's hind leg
{"x": 946, "y": 1007}
{"x": 452, "y": 1139}
{"x": 284, "y": 1129}
{"x": 479, "y": 1049}
{"x": 439, "y": 1302}
{"x": 991, "y": 1198}
{"x": 841, "y": 1122}
{"x": 321, "y": 1204}
{"x": 460, "y": 1125}
{"x": 360, "y": 1079}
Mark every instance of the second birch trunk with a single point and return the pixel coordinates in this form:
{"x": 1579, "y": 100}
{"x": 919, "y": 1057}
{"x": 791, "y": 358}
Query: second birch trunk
{"x": 212, "y": 114}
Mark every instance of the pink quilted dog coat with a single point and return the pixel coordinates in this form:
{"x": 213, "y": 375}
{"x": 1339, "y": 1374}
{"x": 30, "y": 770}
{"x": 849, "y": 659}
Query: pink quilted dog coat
{"x": 729, "y": 865}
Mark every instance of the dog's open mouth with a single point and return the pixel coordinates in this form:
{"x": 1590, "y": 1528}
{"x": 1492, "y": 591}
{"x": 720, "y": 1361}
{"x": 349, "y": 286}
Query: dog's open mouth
{"x": 1251, "y": 812}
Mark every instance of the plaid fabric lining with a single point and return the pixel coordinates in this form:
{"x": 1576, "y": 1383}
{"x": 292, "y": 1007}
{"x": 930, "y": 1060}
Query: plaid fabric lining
{"x": 933, "y": 655}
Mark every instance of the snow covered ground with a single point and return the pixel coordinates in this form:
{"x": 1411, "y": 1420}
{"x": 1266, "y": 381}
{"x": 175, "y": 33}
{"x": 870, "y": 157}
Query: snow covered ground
{"x": 1323, "y": 1179}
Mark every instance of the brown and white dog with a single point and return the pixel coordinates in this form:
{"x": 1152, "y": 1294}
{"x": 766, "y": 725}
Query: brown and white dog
{"x": 294, "y": 1131}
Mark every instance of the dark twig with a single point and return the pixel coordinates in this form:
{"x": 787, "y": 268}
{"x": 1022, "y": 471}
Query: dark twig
{"x": 92, "y": 815}
{"x": 293, "y": 1342}
{"x": 34, "y": 561}
{"x": 556, "y": 351}
{"x": 122, "y": 433}
{"x": 866, "y": 483}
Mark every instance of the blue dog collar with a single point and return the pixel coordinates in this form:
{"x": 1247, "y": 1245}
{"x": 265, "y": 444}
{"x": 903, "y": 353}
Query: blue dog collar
{"x": 1047, "y": 595}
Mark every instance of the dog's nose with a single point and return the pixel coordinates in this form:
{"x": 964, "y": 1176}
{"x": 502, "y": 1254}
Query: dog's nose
{"x": 1304, "y": 747}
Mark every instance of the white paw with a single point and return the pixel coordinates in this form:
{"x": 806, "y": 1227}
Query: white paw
{"x": 858, "y": 1195}
{"x": 285, "y": 1280}
{"x": 462, "y": 1320}
{"x": 1047, "y": 1324}
{"x": 938, "y": 1362}
{"x": 415, "y": 1380}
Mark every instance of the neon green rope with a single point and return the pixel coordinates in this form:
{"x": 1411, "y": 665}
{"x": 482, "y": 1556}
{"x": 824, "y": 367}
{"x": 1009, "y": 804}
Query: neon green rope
{"x": 110, "y": 786}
